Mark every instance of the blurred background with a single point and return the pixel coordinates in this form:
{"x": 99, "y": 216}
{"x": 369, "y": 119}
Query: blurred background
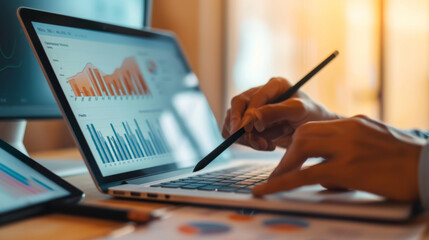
{"x": 232, "y": 45}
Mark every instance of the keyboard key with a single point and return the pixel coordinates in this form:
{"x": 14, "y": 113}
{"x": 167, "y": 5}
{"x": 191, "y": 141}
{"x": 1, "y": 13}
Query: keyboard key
{"x": 222, "y": 183}
{"x": 210, "y": 187}
{"x": 239, "y": 178}
{"x": 206, "y": 182}
{"x": 171, "y": 185}
{"x": 228, "y": 181}
{"x": 228, "y": 189}
{"x": 246, "y": 182}
{"x": 192, "y": 186}
{"x": 198, "y": 178}
{"x": 189, "y": 181}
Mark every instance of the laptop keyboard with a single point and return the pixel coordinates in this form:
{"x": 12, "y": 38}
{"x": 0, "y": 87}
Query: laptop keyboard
{"x": 238, "y": 179}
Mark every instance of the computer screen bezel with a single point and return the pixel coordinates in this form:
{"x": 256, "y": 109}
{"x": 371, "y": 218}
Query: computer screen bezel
{"x": 74, "y": 195}
{"x": 27, "y": 17}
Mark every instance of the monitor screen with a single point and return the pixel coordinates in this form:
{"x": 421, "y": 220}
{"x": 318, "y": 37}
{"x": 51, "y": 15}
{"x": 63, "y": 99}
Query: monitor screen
{"x": 135, "y": 99}
{"x": 24, "y": 92}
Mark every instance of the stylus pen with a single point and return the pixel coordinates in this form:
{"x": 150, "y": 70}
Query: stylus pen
{"x": 289, "y": 93}
{"x": 116, "y": 214}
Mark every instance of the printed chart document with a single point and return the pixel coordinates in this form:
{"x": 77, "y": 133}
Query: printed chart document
{"x": 203, "y": 223}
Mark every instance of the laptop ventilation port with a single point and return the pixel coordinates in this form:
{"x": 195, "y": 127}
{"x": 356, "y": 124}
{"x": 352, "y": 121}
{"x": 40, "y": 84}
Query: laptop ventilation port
{"x": 152, "y": 195}
{"x": 118, "y": 193}
{"x": 135, "y": 194}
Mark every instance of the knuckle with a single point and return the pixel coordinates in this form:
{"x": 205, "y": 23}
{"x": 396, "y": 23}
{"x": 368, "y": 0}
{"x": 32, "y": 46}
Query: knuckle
{"x": 361, "y": 116}
{"x": 297, "y": 103}
{"x": 227, "y": 117}
{"x": 266, "y": 110}
{"x": 299, "y": 132}
{"x": 356, "y": 122}
{"x": 279, "y": 83}
{"x": 305, "y": 128}
{"x": 236, "y": 99}
{"x": 228, "y": 113}
{"x": 225, "y": 132}
{"x": 300, "y": 142}
{"x": 276, "y": 80}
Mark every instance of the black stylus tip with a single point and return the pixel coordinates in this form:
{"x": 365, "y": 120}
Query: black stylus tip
{"x": 200, "y": 165}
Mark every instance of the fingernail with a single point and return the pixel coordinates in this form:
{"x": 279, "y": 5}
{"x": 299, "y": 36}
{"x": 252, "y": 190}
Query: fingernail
{"x": 259, "y": 126}
{"x": 258, "y": 190}
{"x": 247, "y": 123}
{"x": 235, "y": 124}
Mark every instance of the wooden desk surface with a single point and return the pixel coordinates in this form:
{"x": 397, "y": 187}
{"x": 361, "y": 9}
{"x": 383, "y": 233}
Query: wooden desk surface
{"x": 59, "y": 226}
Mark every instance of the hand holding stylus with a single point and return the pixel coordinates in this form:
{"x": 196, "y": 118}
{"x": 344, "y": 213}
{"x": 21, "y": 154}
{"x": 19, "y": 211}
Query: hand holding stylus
{"x": 245, "y": 114}
{"x": 269, "y": 126}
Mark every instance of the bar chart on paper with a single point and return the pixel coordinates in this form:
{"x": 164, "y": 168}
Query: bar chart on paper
{"x": 129, "y": 141}
{"x": 17, "y": 185}
{"x": 125, "y": 80}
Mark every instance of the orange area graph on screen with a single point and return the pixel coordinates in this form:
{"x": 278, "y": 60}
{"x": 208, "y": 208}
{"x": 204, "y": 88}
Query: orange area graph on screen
{"x": 125, "y": 80}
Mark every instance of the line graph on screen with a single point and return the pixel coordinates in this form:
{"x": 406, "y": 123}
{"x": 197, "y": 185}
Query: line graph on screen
{"x": 9, "y": 58}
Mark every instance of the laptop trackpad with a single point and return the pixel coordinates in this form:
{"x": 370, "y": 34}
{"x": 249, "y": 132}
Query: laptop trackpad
{"x": 318, "y": 194}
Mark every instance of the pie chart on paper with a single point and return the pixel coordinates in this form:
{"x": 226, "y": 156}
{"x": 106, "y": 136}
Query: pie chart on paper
{"x": 285, "y": 224}
{"x": 204, "y": 228}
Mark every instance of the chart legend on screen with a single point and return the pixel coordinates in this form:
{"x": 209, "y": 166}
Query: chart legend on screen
{"x": 151, "y": 67}
{"x": 125, "y": 80}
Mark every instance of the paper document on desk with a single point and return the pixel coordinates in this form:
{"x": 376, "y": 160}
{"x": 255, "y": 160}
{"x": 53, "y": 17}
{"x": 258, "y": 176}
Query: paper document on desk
{"x": 204, "y": 223}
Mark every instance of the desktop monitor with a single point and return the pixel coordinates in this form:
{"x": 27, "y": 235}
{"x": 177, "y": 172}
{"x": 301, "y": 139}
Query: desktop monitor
{"x": 24, "y": 91}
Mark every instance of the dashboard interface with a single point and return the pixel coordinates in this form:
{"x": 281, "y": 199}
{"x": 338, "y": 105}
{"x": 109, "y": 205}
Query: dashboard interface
{"x": 134, "y": 98}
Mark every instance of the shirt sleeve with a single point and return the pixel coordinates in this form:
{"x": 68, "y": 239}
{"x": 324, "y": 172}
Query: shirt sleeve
{"x": 419, "y": 133}
{"x": 424, "y": 176}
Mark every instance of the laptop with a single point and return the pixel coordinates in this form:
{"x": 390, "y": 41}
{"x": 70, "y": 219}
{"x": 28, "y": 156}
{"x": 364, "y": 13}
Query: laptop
{"x": 142, "y": 123}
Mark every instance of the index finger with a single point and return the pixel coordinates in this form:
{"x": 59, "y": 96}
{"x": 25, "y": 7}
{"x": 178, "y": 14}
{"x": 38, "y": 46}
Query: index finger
{"x": 309, "y": 176}
{"x": 239, "y": 105}
{"x": 309, "y": 140}
{"x": 269, "y": 92}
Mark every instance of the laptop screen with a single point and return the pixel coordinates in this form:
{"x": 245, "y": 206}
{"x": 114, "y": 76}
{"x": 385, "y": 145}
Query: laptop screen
{"x": 135, "y": 98}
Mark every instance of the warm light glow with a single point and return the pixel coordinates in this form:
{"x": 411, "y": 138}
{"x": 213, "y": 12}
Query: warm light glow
{"x": 287, "y": 38}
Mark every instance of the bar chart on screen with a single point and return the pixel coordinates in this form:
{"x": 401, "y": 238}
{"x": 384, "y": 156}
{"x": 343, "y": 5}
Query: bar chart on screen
{"x": 126, "y": 80}
{"x": 128, "y": 141}
{"x": 17, "y": 185}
